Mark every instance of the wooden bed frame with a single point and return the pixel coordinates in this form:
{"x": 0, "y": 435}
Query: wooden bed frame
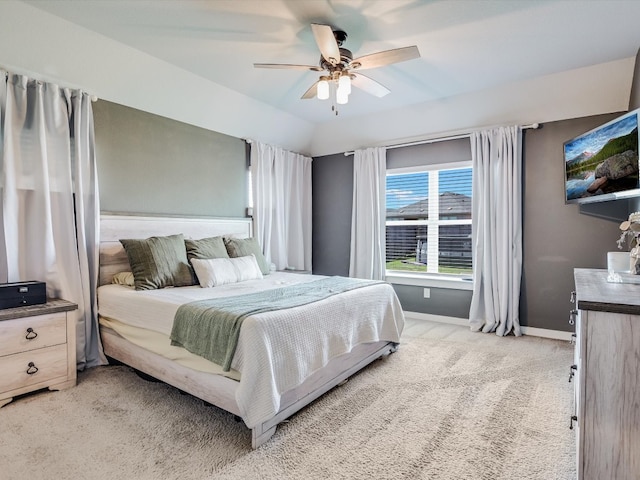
{"x": 215, "y": 389}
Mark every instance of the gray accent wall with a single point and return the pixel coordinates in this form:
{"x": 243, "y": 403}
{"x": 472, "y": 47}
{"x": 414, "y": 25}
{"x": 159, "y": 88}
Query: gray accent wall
{"x": 445, "y": 302}
{"x": 154, "y": 165}
{"x": 332, "y": 201}
{"x": 457, "y": 150}
{"x": 332, "y": 198}
{"x": 556, "y": 237}
{"x": 634, "y": 97}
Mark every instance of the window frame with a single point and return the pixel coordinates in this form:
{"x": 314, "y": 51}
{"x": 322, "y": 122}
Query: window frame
{"x": 430, "y": 279}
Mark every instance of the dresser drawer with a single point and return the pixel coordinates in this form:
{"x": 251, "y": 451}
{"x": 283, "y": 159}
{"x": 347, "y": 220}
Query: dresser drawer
{"x": 46, "y": 330}
{"x": 48, "y": 363}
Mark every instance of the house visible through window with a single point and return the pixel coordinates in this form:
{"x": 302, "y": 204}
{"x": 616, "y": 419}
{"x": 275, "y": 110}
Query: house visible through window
{"x": 428, "y": 225}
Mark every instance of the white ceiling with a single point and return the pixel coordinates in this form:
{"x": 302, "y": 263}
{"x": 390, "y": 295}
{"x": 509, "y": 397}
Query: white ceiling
{"x": 483, "y": 62}
{"x": 466, "y": 46}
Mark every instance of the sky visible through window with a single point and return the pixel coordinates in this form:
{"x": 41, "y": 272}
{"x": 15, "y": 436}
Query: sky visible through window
{"x": 408, "y": 188}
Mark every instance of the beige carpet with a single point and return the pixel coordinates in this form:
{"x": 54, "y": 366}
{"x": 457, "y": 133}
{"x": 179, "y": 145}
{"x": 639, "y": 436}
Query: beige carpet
{"x": 454, "y": 406}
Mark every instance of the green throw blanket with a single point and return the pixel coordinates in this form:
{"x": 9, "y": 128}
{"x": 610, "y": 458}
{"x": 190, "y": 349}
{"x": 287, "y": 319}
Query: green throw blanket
{"x": 211, "y": 328}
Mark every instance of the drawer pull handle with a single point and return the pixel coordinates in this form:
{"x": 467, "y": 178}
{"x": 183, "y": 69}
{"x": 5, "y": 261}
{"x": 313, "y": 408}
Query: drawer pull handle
{"x": 31, "y": 334}
{"x": 573, "y": 419}
{"x": 32, "y": 368}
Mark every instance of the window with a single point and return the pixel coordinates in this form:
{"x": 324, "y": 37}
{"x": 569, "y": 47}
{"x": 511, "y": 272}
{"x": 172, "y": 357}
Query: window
{"x": 428, "y": 226}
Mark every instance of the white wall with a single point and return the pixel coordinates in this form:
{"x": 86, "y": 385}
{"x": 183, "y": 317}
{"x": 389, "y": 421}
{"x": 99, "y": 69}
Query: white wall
{"x": 46, "y": 47}
{"x": 603, "y": 88}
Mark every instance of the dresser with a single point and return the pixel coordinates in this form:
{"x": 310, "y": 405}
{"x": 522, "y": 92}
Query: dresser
{"x": 606, "y": 374}
{"x": 37, "y": 348}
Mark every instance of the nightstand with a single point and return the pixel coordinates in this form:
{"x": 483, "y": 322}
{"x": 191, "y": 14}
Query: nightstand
{"x": 37, "y": 348}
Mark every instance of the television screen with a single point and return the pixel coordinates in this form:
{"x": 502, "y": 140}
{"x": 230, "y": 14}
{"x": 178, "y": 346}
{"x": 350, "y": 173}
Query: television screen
{"x": 602, "y": 164}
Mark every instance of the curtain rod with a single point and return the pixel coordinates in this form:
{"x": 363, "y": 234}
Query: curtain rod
{"x": 533, "y": 126}
{"x": 40, "y": 81}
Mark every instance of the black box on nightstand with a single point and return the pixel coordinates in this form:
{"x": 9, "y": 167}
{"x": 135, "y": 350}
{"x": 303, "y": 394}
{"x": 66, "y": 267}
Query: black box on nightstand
{"x": 20, "y": 294}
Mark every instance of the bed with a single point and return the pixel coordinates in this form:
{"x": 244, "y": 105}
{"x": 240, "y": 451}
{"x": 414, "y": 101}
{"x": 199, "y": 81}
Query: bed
{"x": 284, "y": 359}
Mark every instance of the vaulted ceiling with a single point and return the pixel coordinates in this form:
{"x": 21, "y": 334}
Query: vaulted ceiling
{"x": 466, "y": 46}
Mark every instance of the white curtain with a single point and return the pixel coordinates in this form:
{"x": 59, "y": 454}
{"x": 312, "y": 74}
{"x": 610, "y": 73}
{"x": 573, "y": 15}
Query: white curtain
{"x": 497, "y": 230}
{"x": 368, "y": 214}
{"x": 50, "y": 206}
{"x": 281, "y": 187}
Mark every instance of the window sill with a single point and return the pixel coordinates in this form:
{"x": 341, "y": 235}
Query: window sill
{"x": 426, "y": 280}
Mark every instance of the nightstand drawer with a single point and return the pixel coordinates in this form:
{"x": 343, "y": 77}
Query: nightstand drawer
{"x": 29, "y": 368}
{"x": 30, "y": 333}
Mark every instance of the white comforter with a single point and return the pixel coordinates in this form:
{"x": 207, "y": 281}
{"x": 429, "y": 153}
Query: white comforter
{"x": 277, "y": 350}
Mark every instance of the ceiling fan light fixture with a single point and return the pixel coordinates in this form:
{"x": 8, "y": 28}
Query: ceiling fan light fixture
{"x": 344, "y": 83}
{"x": 338, "y": 63}
{"x": 323, "y": 88}
{"x": 342, "y": 97}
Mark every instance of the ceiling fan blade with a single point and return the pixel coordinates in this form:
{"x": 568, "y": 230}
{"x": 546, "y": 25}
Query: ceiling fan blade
{"x": 311, "y": 93}
{"x": 386, "y": 57}
{"x": 369, "y": 85}
{"x": 288, "y": 66}
{"x": 326, "y": 43}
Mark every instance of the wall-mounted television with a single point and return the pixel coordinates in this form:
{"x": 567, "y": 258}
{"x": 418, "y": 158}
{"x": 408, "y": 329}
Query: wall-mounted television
{"x": 602, "y": 164}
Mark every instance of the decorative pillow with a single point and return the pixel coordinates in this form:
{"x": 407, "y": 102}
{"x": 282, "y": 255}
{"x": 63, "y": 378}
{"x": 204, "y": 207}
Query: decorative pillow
{"x": 158, "y": 262}
{"x": 123, "y": 278}
{"x": 241, "y": 247}
{"x": 212, "y": 272}
{"x": 211, "y": 247}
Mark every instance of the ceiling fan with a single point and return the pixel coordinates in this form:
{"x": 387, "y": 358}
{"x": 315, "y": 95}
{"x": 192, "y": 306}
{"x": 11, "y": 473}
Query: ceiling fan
{"x": 340, "y": 67}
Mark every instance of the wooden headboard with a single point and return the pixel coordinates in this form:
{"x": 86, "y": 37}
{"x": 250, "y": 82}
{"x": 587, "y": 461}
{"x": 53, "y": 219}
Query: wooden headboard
{"x": 113, "y": 258}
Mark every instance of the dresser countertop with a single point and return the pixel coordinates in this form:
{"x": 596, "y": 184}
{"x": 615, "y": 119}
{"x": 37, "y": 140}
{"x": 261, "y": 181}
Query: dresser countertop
{"x": 594, "y": 292}
{"x": 53, "y": 305}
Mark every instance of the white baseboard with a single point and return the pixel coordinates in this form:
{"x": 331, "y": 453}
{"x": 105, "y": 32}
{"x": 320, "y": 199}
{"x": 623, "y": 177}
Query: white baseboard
{"x": 533, "y": 331}
{"x": 546, "y": 333}
{"x": 437, "y": 318}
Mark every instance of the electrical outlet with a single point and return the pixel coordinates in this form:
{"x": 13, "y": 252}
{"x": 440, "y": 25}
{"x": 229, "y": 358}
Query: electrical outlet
{"x": 427, "y": 293}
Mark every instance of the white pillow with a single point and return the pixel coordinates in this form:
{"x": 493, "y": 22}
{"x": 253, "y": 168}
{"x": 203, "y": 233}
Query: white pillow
{"x": 212, "y": 272}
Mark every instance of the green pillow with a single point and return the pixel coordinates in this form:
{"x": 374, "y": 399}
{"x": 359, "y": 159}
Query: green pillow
{"x": 205, "y": 248}
{"x": 241, "y": 247}
{"x": 158, "y": 262}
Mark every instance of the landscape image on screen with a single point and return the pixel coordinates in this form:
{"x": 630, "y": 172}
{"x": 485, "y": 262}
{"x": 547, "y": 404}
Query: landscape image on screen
{"x": 603, "y": 161}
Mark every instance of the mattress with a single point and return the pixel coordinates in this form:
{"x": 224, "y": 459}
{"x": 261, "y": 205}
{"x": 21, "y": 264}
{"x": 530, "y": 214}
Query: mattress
{"x": 160, "y": 344}
{"x": 155, "y": 309}
{"x": 276, "y": 350}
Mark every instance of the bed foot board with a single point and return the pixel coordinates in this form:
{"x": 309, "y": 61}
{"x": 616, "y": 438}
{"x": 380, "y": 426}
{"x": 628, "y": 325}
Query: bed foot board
{"x": 214, "y": 389}
{"x": 260, "y": 435}
{"x": 220, "y": 391}
{"x": 322, "y": 384}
